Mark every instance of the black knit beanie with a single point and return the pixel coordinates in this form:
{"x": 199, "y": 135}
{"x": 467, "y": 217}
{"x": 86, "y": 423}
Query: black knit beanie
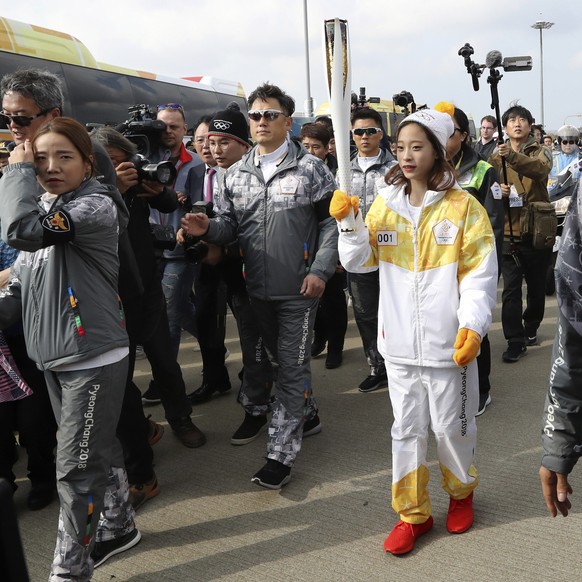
{"x": 230, "y": 123}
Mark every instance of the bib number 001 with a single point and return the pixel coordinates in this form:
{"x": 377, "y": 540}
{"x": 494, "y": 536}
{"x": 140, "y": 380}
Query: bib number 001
{"x": 387, "y": 238}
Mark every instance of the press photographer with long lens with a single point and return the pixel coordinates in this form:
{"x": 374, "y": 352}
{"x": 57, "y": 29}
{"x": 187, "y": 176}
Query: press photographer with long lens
{"x": 147, "y": 321}
{"x": 178, "y": 274}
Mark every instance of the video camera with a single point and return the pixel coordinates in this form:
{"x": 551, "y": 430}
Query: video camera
{"x": 361, "y": 100}
{"x": 145, "y": 131}
{"x": 194, "y": 248}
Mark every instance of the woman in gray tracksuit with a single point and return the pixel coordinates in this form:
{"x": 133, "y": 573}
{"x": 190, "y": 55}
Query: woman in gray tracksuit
{"x": 65, "y": 288}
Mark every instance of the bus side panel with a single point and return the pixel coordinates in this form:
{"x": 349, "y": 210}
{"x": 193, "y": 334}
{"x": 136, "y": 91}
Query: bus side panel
{"x": 97, "y": 96}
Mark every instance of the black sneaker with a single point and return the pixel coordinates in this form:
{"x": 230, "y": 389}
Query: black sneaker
{"x": 273, "y": 475}
{"x": 531, "y": 340}
{"x": 373, "y": 382}
{"x": 151, "y": 395}
{"x": 249, "y": 430}
{"x": 317, "y": 347}
{"x": 334, "y": 359}
{"x": 41, "y": 495}
{"x": 484, "y": 402}
{"x": 104, "y": 550}
{"x": 514, "y": 352}
{"x": 312, "y": 426}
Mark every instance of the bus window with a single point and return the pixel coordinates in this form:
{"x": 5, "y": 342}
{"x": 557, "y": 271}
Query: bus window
{"x": 198, "y": 104}
{"x": 90, "y": 89}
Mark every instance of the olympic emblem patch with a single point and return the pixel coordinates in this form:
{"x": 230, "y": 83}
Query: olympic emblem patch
{"x": 221, "y": 124}
{"x": 445, "y": 232}
{"x": 57, "y": 222}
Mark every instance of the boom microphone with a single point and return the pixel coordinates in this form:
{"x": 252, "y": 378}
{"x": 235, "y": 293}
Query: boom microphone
{"x": 493, "y": 59}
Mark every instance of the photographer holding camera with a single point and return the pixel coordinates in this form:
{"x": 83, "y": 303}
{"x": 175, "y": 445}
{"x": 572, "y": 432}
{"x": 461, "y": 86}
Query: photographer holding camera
{"x": 178, "y": 274}
{"x": 147, "y": 321}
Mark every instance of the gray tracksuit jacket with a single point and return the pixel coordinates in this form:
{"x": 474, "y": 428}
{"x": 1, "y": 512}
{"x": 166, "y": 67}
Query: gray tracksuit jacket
{"x": 283, "y": 226}
{"x": 562, "y": 417}
{"x": 65, "y": 285}
{"x": 365, "y": 184}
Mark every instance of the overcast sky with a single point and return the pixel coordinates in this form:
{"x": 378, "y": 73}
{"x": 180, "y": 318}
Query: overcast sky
{"x": 395, "y": 45}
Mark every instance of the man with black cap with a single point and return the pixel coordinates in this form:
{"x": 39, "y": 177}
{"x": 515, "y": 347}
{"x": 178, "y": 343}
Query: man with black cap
{"x": 276, "y": 201}
{"x": 228, "y": 138}
{"x": 210, "y": 290}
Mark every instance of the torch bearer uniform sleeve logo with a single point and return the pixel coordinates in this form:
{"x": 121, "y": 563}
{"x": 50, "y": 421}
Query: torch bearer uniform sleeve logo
{"x": 445, "y": 232}
{"x": 57, "y": 222}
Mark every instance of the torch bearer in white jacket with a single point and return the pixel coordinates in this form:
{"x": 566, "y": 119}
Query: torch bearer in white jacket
{"x": 337, "y": 61}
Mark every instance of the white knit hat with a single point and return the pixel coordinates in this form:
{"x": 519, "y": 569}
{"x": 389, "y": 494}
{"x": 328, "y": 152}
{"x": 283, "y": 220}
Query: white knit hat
{"x": 439, "y": 123}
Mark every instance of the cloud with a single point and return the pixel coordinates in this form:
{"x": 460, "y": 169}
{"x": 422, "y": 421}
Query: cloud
{"x": 394, "y": 45}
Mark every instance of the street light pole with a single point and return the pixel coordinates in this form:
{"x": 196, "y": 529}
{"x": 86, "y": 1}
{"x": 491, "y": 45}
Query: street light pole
{"x": 309, "y": 101}
{"x": 542, "y": 25}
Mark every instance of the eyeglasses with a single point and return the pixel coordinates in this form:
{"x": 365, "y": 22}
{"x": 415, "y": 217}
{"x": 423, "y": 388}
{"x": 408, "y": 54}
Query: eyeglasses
{"x": 22, "y": 120}
{"x": 360, "y": 131}
{"x": 568, "y": 141}
{"x": 170, "y": 106}
{"x": 459, "y": 130}
{"x": 268, "y": 114}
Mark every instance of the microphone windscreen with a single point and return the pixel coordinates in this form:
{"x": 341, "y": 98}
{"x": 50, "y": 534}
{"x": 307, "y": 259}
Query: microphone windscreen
{"x": 493, "y": 59}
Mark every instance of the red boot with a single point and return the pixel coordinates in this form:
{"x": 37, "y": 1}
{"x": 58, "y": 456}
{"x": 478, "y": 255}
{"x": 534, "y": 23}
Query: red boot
{"x": 402, "y": 538}
{"x": 460, "y": 517}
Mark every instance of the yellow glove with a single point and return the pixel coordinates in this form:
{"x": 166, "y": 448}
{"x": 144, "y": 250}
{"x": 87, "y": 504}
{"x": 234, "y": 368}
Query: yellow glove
{"x": 466, "y": 346}
{"x": 340, "y": 205}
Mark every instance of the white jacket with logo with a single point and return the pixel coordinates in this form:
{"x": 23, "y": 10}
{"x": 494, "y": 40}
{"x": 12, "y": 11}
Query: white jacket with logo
{"x": 434, "y": 279}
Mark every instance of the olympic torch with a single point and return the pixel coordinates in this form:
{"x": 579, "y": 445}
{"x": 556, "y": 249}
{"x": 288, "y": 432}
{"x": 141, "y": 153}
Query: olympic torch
{"x": 337, "y": 61}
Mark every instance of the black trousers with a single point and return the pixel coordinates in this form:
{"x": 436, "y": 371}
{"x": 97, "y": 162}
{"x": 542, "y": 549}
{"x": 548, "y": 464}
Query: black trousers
{"x": 331, "y": 321}
{"x": 529, "y": 264}
{"x": 166, "y": 372}
{"x": 133, "y": 429}
{"x": 33, "y": 418}
{"x": 210, "y": 301}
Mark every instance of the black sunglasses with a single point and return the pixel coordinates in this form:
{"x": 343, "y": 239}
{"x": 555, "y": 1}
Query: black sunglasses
{"x": 22, "y": 120}
{"x": 360, "y": 131}
{"x": 570, "y": 141}
{"x": 268, "y": 114}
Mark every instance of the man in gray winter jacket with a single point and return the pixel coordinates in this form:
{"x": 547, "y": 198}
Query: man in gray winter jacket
{"x": 369, "y": 167}
{"x": 562, "y": 417}
{"x": 276, "y": 201}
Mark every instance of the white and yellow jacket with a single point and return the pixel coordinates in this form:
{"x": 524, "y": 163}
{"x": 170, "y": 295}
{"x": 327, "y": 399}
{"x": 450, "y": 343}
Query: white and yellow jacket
{"x": 434, "y": 278}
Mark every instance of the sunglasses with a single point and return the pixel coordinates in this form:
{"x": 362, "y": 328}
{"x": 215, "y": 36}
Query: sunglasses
{"x": 22, "y": 120}
{"x": 170, "y": 106}
{"x": 360, "y": 131}
{"x": 570, "y": 141}
{"x": 268, "y": 114}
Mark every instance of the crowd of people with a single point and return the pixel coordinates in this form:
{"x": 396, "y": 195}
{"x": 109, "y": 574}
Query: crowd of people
{"x": 98, "y": 259}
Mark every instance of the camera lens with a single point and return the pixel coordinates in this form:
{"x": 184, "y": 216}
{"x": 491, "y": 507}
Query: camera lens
{"x": 164, "y": 175}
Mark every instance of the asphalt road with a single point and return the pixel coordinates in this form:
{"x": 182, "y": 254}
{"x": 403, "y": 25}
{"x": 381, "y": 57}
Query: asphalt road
{"x": 210, "y": 523}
